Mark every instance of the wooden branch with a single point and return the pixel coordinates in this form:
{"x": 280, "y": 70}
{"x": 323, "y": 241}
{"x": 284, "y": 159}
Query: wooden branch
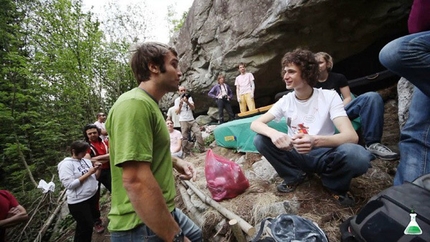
{"x": 190, "y": 207}
{"x": 21, "y": 156}
{"x": 245, "y": 226}
{"x": 236, "y": 230}
{"x": 48, "y": 222}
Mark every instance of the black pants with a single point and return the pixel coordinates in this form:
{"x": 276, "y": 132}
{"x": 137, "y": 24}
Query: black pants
{"x": 105, "y": 179}
{"x": 85, "y": 213}
{"x": 224, "y": 103}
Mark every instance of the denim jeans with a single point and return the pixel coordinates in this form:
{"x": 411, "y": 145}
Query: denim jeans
{"x": 409, "y": 57}
{"x": 224, "y": 103}
{"x": 370, "y": 108}
{"x": 336, "y": 166}
{"x": 143, "y": 233}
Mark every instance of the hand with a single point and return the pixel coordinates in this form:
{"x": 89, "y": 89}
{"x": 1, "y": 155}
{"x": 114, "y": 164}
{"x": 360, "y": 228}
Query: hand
{"x": 281, "y": 141}
{"x": 303, "y": 143}
{"x": 186, "y": 169}
{"x": 12, "y": 212}
{"x": 97, "y": 165}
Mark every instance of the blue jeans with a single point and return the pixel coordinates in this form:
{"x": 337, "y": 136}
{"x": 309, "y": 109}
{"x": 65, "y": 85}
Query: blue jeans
{"x": 409, "y": 57}
{"x": 143, "y": 233}
{"x": 370, "y": 108}
{"x": 336, "y": 166}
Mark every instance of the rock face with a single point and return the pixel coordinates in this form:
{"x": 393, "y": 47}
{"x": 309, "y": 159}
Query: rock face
{"x": 219, "y": 34}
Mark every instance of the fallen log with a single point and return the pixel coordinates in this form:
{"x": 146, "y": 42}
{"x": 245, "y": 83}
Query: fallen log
{"x": 245, "y": 226}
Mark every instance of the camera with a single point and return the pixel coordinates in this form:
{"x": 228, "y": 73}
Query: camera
{"x": 225, "y": 97}
{"x": 187, "y": 95}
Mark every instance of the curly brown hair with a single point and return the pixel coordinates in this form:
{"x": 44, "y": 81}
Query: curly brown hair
{"x": 306, "y": 62}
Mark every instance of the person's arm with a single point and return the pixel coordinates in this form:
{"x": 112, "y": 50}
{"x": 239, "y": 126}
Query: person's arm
{"x": 346, "y": 134}
{"x": 253, "y": 88}
{"x": 100, "y": 158}
{"x": 185, "y": 168}
{"x": 190, "y": 102}
{"x": 280, "y": 139}
{"x": 147, "y": 199}
{"x": 212, "y": 92}
{"x": 237, "y": 93}
{"x": 346, "y": 94}
{"x": 178, "y": 105}
{"x": 16, "y": 215}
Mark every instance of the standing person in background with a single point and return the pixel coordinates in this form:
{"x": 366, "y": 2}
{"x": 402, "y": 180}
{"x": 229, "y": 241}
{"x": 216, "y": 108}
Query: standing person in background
{"x": 98, "y": 152}
{"x": 172, "y": 116}
{"x": 368, "y": 106}
{"x": 409, "y": 57}
{"x": 11, "y": 213}
{"x": 175, "y": 140}
{"x": 222, "y": 94}
{"x": 143, "y": 185}
{"x": 245, "y": 88}
{"x": 184, "y": 106}
{"x": 101, "y": 118}
{"x": 79, "y": 177}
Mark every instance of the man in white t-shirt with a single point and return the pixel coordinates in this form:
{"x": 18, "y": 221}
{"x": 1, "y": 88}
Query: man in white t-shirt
{"x": 245, "y": 89}
{"x": 100, "y": 123}
{"x": 311, "y": 145}
{"x": 184, "y": 106}
{"x": 171, "y": 115}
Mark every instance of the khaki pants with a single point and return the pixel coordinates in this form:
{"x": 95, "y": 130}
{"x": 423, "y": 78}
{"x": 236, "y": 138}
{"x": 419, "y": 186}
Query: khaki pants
{"x": 246, "y": 100}
{"x": 193, "y": 126}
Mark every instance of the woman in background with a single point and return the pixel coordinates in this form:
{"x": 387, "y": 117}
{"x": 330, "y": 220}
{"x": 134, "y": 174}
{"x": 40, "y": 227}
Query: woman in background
{"x": 222, "y": 94}
{"x": 79, "y": 177}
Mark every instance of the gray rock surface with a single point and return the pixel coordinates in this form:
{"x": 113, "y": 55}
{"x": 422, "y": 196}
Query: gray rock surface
{"x": 219, "y": 34}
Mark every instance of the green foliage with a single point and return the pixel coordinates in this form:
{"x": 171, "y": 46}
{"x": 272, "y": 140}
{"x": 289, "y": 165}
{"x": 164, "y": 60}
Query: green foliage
{"x": 210, "y": 139}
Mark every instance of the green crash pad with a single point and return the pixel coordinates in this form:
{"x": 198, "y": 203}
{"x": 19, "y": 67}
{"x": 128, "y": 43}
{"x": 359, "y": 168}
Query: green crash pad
{"x": 238, "y": 135}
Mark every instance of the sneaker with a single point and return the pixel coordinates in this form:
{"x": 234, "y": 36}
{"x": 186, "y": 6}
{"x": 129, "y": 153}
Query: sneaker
{"x": 382, "y": 152}
{"x": 345, "y": 200}
{"x": 286, "y": 188}
{"x": 99, "y": 228}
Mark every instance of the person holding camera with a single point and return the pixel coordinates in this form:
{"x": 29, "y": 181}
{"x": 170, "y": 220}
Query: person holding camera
{"x": 222, "y": 94}
{"x": 184, "y": 106}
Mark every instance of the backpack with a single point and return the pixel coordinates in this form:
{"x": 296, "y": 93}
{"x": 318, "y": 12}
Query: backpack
{"x": 387, "y": 214}
{"x": 288, "y": 227}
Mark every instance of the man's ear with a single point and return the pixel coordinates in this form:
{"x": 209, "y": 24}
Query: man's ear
{"x": 153, "y": 68}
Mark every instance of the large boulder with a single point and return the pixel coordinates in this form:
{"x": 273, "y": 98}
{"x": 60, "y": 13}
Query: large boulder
{"x": 219, "y": 34}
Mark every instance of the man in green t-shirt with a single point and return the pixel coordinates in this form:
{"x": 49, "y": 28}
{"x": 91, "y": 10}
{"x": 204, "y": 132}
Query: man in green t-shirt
{"x": 143, "y": 186}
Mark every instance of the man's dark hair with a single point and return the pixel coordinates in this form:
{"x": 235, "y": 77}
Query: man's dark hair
{"x": 306, "y": 62}
{"x": 79, "y": 147}
{"x": 100, "y": 114}
{"x": 150, "y": 52}
{"x": 90, "y": 126}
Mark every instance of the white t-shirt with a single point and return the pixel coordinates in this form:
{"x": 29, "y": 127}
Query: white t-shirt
{"x": 315, "y": 114}
{"x": 175, "y": 118}
{"x": 102, "y": 127}
{"x": 244, "y": 82}
{"x": 186, "y": 114}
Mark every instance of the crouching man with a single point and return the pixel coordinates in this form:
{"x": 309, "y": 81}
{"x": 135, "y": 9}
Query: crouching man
{"x": 311, "y": 145}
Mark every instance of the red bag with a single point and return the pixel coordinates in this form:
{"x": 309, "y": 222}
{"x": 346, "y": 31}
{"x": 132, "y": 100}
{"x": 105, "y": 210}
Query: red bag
{"x": 224, "y": 178}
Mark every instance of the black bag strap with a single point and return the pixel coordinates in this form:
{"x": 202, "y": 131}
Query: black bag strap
{"x": 260, "y": 231}
{"x": 347, "y": 236}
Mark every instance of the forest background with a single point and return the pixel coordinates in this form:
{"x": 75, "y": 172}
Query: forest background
{"x": 60, "y": 66}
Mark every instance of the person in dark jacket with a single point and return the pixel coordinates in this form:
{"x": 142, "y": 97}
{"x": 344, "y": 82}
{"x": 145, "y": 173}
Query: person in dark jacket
{"x": 222, "y": 94}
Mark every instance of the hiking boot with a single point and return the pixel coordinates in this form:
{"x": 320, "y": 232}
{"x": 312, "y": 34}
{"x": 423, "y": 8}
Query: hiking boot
{"x": 382, "y": 152}
{"x": 345, "y": 200}
{"x": 99, "y": 228}
{"x": 286, "y": 188}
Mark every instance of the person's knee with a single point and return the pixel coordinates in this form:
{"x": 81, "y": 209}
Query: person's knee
{"x": 389, "y": 55}
{"x": 259, "y": 141}
{"x": 356, "y": 157}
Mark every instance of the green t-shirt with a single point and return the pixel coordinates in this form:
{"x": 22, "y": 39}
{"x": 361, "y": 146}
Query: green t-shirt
{"x": 137, "y": 132}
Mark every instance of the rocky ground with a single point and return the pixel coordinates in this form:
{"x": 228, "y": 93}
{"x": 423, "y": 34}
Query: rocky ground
{"x": 309, "y": 200}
